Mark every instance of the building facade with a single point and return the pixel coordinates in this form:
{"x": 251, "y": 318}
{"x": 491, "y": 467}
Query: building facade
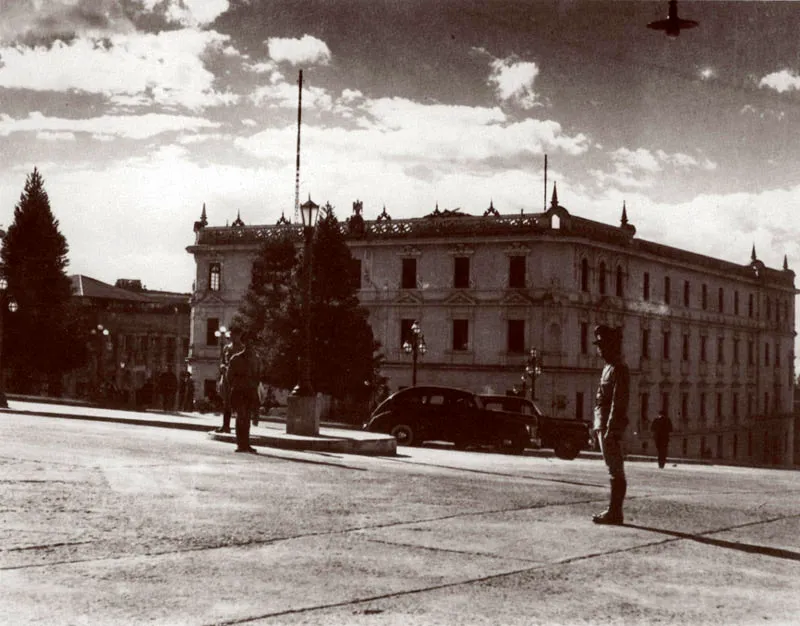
{"x": 708, "y": 341}
{"x": 138, "y": 343}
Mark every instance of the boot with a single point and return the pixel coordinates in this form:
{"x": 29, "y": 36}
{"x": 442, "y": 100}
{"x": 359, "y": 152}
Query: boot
{"x": 613, "y": 514}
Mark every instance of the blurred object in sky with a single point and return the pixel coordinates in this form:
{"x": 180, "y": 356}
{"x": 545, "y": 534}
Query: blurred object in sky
{"x": 673, "y": 24}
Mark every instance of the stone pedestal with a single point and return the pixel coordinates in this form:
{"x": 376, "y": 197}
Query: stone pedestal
{"x": 301, "y": 416}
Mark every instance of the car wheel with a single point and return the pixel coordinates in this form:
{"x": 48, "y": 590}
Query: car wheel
{"x": 404, "y": 434}
{"x": 566, "y": 450}
{"x": 460, "y": 443}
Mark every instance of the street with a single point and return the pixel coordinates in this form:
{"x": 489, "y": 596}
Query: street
{"x": 108, "y": 523}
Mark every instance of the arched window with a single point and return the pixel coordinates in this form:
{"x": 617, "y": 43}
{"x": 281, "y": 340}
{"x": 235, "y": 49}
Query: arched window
{"x": 601, "y": 278}
{"x": 584, "y": 275}
{"x": 620, "y": 284}
{"x": 214, "y": 276}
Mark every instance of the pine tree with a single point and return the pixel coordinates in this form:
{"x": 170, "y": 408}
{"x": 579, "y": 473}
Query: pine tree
{"x": 43, "y": 338}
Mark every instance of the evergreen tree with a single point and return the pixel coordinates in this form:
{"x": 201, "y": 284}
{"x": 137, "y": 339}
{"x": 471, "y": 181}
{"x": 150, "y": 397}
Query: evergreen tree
{"x": 43, "y": 339}
{"x": 345, "y": 354}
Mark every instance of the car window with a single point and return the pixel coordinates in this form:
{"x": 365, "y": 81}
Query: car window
{"x": 436, "y": 399}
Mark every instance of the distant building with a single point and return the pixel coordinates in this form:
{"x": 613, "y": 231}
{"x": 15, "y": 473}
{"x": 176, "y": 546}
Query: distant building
{"x": 708, "y": 341}
{"x": 138, "y": 337}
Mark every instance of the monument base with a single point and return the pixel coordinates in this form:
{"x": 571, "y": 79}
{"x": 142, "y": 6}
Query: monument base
{"x": 301, "y": 416}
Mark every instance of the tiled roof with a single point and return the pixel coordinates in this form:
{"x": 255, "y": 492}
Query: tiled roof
{"x": 87, "y": 287}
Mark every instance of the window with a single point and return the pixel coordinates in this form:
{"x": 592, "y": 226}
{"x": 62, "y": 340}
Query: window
{"x": 750, "y": 306}
{"x": 409, "y": 277}
{"x": 735, "y": 405}
{"x": 685, "y": 407}
{"x": 579, "y": 405}
{"x": 704, "y": 297}
{"x": 703, "y": 349}
{"x": 667, "y": 290}
{"x": 645, "y": 343}
{"x": 584, "y": 338}
{"x": 461, "y": 272}
{"x": 516, "y": 336}
{"x": 516, "y": 272}
{"x": 620, "y": 283}
{"x": 777, "y": 356}
{"x": 685, "y": 347}
{"x": 702, "y": 405}
{"x": 751, "y": 359}
{"x": 212, "y": 326}
{"x": 644, "y": 401}
{"x": 665, "y": 345}
{"x": 601, "y": 278}
{"x": 584, "y": 275}
{"x": 736, "y": 303}
{"x": 736, "y": 351}
{"x": 686, "y": 293}
{"x": 665, "y": 403}
{"x": 719, "y": 407}
{"x": 646, "y": 286}
{"x": 460, "y": 335}
{"x": 720, "y": 350}
{"x": 766, "y": 354}
{"x": 721, "y": 300}
{"x": 769, "y": 309}
{"x": 405, "y": 330}
{"x": 356, "y": 272}
{"x": 214, "y": 276}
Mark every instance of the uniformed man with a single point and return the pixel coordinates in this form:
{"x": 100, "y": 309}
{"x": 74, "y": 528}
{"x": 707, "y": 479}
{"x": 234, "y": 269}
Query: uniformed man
{"x": 611, "y": 418}
{"x": 242, "y": 381}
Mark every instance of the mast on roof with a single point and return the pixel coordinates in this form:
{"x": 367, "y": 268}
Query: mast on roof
{"x": 297, "y": 168}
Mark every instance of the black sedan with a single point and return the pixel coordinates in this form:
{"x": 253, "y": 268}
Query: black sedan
{"x": 429, "y": 413}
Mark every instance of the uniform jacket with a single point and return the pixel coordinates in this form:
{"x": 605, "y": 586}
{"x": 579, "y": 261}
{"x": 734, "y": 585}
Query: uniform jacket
{"x": 661, "y": 427}
{"x": 613, "y": 395}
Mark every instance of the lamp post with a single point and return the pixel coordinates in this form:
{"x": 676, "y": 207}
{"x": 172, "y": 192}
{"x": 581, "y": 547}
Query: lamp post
{"x": 533, "y": 368}
{"x": 223, "y": 335}
{"x": 415, "y": 346}
{"x": 102, "y": 334}
{"x": 12, "y": 306}
{"x": 301, "y": 409}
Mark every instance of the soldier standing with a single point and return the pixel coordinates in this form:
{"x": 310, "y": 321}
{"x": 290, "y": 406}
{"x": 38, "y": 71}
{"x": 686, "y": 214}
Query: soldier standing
{"x": 661, "y": 429}
{"x": 611, "y": 418}
{"x": 242, "y": 382}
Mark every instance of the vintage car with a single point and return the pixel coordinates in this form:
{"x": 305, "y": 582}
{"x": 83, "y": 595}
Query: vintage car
{"x": 431, "y": 413}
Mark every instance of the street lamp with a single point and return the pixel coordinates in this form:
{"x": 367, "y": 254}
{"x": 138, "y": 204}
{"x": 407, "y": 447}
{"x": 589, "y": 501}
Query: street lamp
{"x": 102, "y": 334}
{"x": 223, "y": 335}
{"x": 301, "y": 409}
{"x": 12, "y": 306}
{"x": 415, "y": 346}
{"x": 533, "y": 368}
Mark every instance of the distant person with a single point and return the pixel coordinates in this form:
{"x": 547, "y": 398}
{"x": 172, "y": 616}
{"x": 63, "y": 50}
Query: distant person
{"x": 661, "y": 429}
{"x": 224, "y": 390}
{"x": 242, "y": 381}
{"x": 611, "y": 418}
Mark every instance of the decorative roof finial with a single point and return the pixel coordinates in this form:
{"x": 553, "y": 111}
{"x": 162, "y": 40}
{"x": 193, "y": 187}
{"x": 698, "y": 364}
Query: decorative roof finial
{"x": 753, "y": 253}
{"x": 203, "y": 218}
{"x": 785, "y": 262}
{"x": 491, "y": 210}
{"x": 282, "y": 221}
{"x": 624, "y": 219}
{"x": 554, "y": 199}
{"x": 238, "y": 221}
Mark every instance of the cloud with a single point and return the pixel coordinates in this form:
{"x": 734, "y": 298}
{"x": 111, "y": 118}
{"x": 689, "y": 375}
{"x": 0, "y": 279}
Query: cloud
{"x": 284, "y": 95}
{"x": 51, "y": 136}
{"x": 513, "y": 81}
{"x": 138, "y": 69}
{"x": 785, "y": 80}
{"x": 194, "y": 12}
{"x": 125, "y": 126}
{"x": 638, "y": 168}
{"x": 307, "y": 49}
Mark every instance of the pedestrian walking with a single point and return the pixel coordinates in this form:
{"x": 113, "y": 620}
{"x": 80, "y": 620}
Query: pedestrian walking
{"x": 611, "y": 418}
{"x": 661, "y": 429}
{"x": 223, "y": 390}
{"x": 242, "y": 381}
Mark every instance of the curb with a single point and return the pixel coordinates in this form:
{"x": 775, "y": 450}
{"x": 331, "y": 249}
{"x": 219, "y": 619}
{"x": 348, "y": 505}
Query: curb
{"x": 377, "y": 446}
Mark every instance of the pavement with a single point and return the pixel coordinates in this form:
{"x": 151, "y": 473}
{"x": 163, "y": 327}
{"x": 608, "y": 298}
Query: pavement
{"x": 270, "y": 432}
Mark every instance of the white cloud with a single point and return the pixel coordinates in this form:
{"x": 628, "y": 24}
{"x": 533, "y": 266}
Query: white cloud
{"x": 307, "y": 49}
{"x": 513, "y": 81}
{"x": 164, "y": 68}
{"x": 195, "y": 12}
{"x": 51, "y": 136}
{"x": 126, "y": 126}
{"x": 785, "y": 80}
{"x": 638, "y": 168}
{"x": 284, "y": 95}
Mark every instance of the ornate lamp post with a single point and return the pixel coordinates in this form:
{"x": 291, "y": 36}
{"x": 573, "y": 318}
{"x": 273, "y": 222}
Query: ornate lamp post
{"x": 301, "y": 409}
{"x": 12, "y": 306}
{"x": 415, "y": 346}
{"x": 223, "y": 335}
{"x": 102, "y": 334}
{"x": 533, "y": 368}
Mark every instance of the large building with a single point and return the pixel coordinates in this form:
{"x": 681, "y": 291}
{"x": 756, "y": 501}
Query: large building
{"x": 708, "y": 341}
{"x": 138, "y": 343}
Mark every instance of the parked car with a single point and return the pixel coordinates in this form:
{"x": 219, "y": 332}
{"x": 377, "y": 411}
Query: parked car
{"x": 567, "y": 437}
{"x": 418, "y": 414}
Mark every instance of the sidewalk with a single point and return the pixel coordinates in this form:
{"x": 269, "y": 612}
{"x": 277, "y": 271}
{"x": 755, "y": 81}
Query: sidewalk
{"x": 270, "y": 432}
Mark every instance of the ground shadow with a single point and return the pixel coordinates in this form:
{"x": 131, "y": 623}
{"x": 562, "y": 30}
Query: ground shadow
{"x": 779, "y": 553}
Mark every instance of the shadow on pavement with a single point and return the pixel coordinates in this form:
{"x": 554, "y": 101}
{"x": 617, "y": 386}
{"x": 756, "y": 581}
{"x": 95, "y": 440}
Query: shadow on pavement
{"x": 779, "y": 553}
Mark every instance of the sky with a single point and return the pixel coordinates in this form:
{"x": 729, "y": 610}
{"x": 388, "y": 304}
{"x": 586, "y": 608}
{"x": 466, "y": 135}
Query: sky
{"x": 138, "y": 112}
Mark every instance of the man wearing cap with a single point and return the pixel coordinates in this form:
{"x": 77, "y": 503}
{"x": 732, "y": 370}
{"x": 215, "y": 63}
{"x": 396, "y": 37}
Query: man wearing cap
{"x": 611, "y": 417}
{"x": 242, "y": 380}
